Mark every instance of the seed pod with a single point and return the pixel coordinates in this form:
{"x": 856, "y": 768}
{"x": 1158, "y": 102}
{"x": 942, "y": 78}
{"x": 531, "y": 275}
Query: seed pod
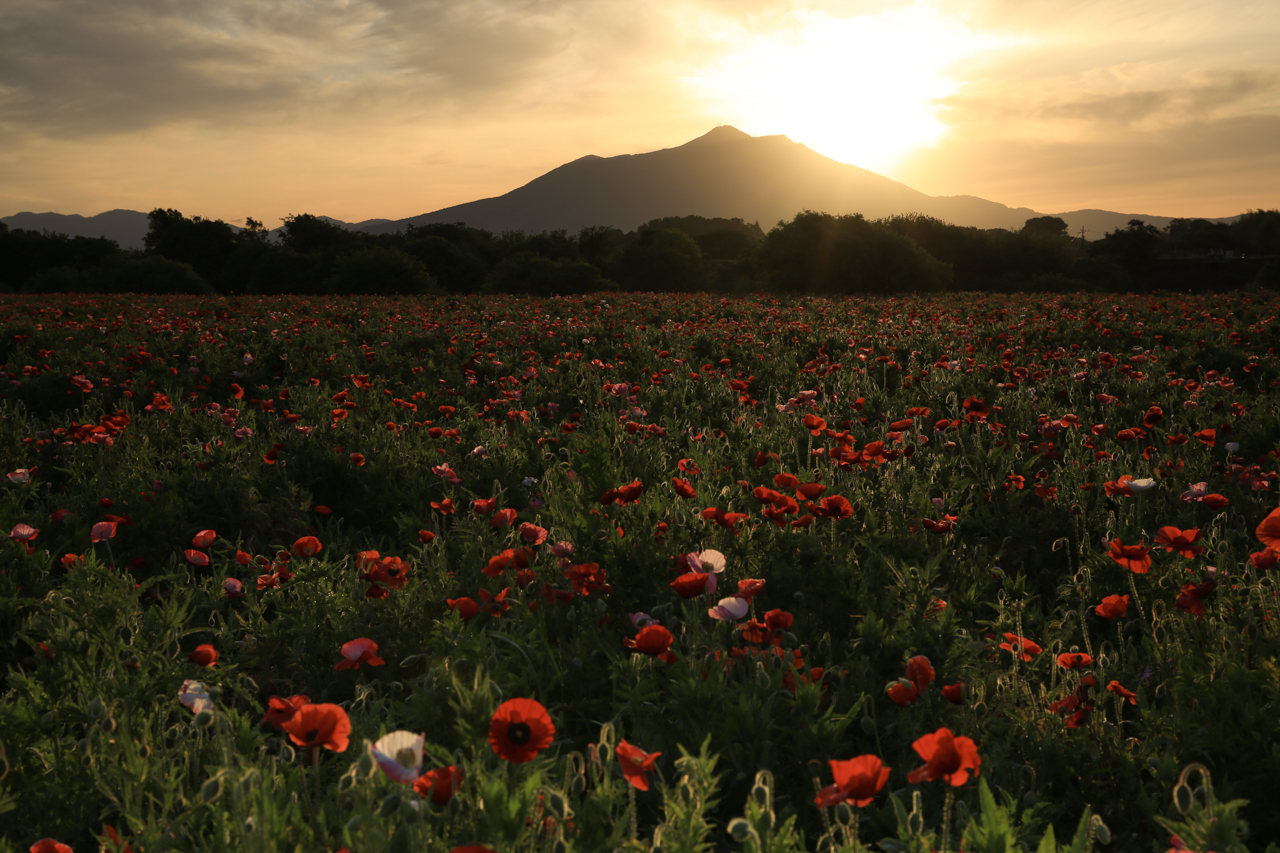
{"x": 204, "y": 719}
{"x": 739, "y": 829}
{"x": 1183, "y": 797}
{"x": 211, "y": 789}
{"x": 390, "y": 803}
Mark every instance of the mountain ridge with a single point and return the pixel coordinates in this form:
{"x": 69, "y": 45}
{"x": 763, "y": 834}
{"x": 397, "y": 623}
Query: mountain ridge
{"x": 724, "y": 173}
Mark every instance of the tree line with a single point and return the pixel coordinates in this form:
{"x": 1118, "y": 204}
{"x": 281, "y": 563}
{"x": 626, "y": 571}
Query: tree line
{"x": 813, "y": 253}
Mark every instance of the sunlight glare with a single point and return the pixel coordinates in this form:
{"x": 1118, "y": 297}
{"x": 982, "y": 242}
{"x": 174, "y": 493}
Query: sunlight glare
{"x": 860, "y": 90}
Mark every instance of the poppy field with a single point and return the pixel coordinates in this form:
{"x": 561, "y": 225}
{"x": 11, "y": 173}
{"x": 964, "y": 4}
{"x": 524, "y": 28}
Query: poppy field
{"x": 944, "y": 572}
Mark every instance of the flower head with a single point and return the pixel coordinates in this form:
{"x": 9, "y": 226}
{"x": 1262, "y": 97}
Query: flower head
{"x": 320, "y": 725}
{"x": 520, "y": 729}
{"x": 358, "y": 651}
{"x": 281, "y": 711}
{"x": 194, "y": 696}
{"x": 857, "y": 781}
{"x": 1113, "y": 607}
{"x": 103, "y": 531}
{"x": 733, "y": 607}
{"x": 1020, "y": 646}
{"x": 1172, "y": 539}
{"x": 653, "y": 640}
{"x": 399, "y": 755}
{"x": 204, "y": 655}
{"x": 946, "y": 757}
{"x": 307, "y": 546}
{"x": 439, "y": 785}
{"x": 1135, "y": 558}
{"x": 636, "y": 764}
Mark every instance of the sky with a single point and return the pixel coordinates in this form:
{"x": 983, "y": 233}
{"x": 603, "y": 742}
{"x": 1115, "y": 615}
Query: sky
{"x": 362, "y": 109}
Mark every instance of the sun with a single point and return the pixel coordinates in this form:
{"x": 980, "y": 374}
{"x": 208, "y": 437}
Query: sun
{"x": 862, "y": 90}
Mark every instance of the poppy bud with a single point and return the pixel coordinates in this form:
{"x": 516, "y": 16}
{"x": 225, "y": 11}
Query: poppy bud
{"x": 215, "y": 693}
{"x": 287, "y": 753}
{"x": 346, "y": 783}
{"x": 1157, "y": 634}
{"x": 980, "y": 708}
{"x": 844, "y": 814}
{"x": 211, "y": 789}
{"x": 355, "y": 823}
{"x": 790, "y": 639}
{"x": 48, "y": 719}
{"x": 86, "y": 760}
{"x": 204, "y": 719}
{"x": 572, "y": 615}
{"x": 578, "y": 786}
{"x": 1183, "y": 798}
{"x": 409, "y": 810}
{"x": 247, "y": 783}
{"x": 1029, "y": 799}
{"x": 763, "y": 680}
{"x": 366, "y": 765}
{"x": 250, "y": 825}
{"x": 798, "y": 596}
{"x": 556, "y": 804}
{"x": 868, "y": 725}
{"x": 561, "y": 847}
{"x": 739, "y": 829}
{"x": 915, "y": 823}
{"x": 108, "y": 725}
{"x": 455, "y": 806}
{"x": 760, "y": 794}
{"x": 389, "y": 804}
{"x": 96, "y": 709}
{"x": 1100, "y": 831}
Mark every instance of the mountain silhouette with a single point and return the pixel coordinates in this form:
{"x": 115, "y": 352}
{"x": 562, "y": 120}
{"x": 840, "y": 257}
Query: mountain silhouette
{"x": 723, "y": 174}
{"x": 727, "y": 173}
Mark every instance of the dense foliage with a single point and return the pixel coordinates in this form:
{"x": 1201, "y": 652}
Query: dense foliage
{"x": 813, "y": 253}
{"x": 743, "y": 551}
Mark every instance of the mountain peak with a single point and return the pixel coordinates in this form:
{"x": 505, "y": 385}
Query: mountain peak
{"x": 721, "y": 133}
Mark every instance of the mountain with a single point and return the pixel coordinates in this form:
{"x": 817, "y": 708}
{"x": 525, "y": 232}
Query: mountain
{"x": 727, "y": 173}
{"x": 126, "y": 227}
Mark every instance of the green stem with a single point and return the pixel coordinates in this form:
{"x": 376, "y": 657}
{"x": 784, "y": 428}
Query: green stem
{"x": 1137, "y": 603}
{"x": 946, "y": 821}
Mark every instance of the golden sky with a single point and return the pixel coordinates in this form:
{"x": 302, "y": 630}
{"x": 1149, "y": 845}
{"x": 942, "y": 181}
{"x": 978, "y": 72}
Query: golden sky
{"x": 361, "y": 109}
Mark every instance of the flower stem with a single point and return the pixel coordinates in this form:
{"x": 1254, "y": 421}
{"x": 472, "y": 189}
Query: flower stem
{"x": 946, "y": 820}
{"x": 1137, "y": 603}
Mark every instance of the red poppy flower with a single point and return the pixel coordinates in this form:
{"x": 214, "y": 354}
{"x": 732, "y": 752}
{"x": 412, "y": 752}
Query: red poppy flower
{"x": 754, "y": 631}
{"x": 653, "y": 640}
{"x": 857, "y": 781}
{"x": 102, "y": 531}
{"x": 1074, "y": 660}
{"x": 465, "y": 607}
{"x": 1191, "y": 597}
{"x": 902, "y": 693}
{"x": 586, "y": 578}
{"x": 1118, "y": 689}
{"x": 1113, "y": 607}
{"x": 1207, "y": 437}
{"x": 814, "y": 424}
{"x": 690, "y": 584}
{"x": 749, "y": 588}
{"x": 358, "y": 651}
{"x": 1182, "y": 541}
{"x": 502, "y": 518}
{"x": 1135, "y": 558}
{"x": 484, "y": 506}
{"x": 204, "y": 655}
{"x": 204, "y": 539}
{"x": 947, "y": 757}
{"x": 320, "y": 725}
{"x": 520, "y": 729}
{"x": 439, "y": 785}
{"x": 727, "y": 520}
{"x": 498, "y": 564}
{"x": 196, "y": 558}
{"x": 1215, "y": 501}
{"x": 636, "y": 764}
{"x": 835, "y": 506}
{"x": 49, "y": 845}
{"x": 307, "y": 546}
{"x": 954, "y": 693}
{"x": 683, "y": 488}
{"x": 786, "y": 481}
{"x": 810, "y": 491}
{"x": 281, "y": 711}
{"x": 1268, "y": 530}
{"x": 920, "y": 672}
{"x": 1264, "y": 559}
{"x": 1020, "y": 646}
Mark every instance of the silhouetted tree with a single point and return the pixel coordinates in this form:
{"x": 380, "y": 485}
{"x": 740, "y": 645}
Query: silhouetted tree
{"x": 306, "y": 233}
{"x": 821, "y": 253}
{"x": 1048, "y": 226}
{"x": 659, "y": 260}
{"x": 379, "y": 270}
{"x": 526, "y": 272}
{"x": 1134, "y": 247}
{"x": 203, "y": 244}
{"x": 598, "y": 244}
{"x": 453, "y": 266}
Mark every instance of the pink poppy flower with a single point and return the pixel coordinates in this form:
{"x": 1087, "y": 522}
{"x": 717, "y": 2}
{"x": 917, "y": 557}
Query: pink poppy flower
{"x": 729, "y": 608}
{"x": 358, "y": 651}
{"x": 103, "y": 531}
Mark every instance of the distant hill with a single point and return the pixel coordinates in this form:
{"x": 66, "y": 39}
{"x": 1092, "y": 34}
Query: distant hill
{"x": 723, "y": 174}
{"x": 126, "y": 227}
